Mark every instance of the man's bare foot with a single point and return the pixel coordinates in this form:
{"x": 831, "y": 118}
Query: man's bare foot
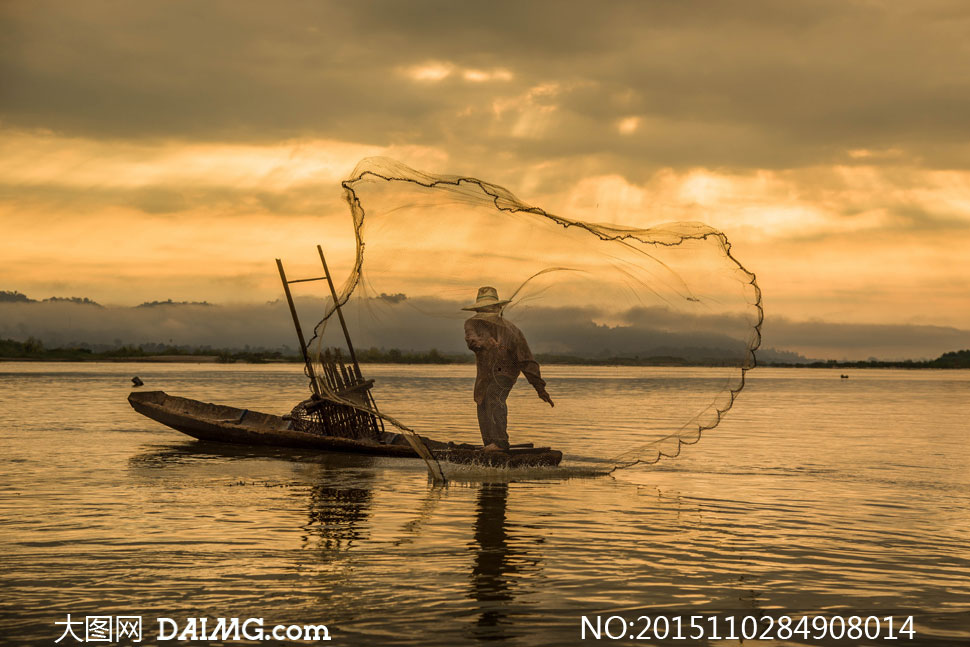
{"x": 492, "y": 447}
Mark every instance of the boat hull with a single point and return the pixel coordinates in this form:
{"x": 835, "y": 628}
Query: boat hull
{"x": 220, "y": 423}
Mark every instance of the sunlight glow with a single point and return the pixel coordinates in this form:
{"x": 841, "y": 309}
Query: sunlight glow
{"x": 628, "y": 125}
{"x": 431, "y": 72}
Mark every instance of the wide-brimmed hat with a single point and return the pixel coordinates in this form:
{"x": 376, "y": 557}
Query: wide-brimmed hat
{"x": 487, "y": 296}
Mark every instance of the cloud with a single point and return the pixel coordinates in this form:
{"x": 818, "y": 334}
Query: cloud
{"x": 819, "y": 238}
{"x": 172, "y": 143}
{"x": 45, "y": 159}
{"x": 430, "y": 72}
{"x": 756, "y": 84}
{"x": 628, "y": 125}
{"x": 435, "y": 71}
{"x": 406, "y": 325}
{"x": 831, "y": 340}
{"x": 265, "y": 325}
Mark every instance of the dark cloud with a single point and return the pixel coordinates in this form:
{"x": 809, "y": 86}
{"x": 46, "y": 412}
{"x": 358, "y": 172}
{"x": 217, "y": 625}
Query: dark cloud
{"x": 741, "y": 84}
{"x": 388, "y": 324}
{"x": 829, "y": 340}
{"x": 264, "y": 325}
{"x": 405, "y": 325}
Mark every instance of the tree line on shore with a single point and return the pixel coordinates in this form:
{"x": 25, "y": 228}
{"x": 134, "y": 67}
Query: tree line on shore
{"x": 34, "y": 350}
{"x": 953, "y": 359}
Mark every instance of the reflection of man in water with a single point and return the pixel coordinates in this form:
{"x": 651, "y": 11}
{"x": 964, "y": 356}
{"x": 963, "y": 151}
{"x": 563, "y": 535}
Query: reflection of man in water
{"x": 501, "y": 353}
{"x": 502, "y": 564}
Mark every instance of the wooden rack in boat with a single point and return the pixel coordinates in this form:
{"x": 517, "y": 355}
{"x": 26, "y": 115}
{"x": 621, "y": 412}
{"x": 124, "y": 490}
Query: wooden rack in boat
{"x": 324, "y": 413}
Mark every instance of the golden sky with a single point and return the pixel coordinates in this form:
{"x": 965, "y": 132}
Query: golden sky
{"x": 156, "y": 150}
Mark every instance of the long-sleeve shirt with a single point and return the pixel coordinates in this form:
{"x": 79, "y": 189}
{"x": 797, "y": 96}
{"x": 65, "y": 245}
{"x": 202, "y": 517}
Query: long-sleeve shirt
{"x": 500, "y": 351}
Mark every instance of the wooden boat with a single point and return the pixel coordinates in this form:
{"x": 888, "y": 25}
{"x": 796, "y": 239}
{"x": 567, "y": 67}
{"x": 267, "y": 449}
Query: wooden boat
{"x": 220, "y": 423}
{"x": 326, "y": 421}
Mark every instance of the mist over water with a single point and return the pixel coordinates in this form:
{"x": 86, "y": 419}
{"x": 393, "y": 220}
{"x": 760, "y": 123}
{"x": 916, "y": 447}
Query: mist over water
{"x": 815, "y": 494}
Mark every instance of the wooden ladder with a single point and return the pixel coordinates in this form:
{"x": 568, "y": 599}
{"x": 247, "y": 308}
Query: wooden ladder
{"x": 346, "y": 382}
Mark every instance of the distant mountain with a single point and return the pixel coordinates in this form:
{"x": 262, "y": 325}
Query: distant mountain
{"x": 169, "y": 302}
{"x": 14, "y": 297}
{"x": 954, "y": 359}
{"x": 770, "y": 355}
{"x": 398, "y": 321}
{"x": 84, "y": 301}
{"x": 17, "y": 297}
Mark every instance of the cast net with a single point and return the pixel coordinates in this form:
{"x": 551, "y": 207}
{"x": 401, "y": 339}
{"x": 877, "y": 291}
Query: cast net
{"x": 643, "y": 335}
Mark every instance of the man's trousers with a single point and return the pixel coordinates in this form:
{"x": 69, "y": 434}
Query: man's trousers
{"x": 493, "y": 414}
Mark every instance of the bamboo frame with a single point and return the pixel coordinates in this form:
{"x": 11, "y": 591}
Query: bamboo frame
{"x": 296, "y": 324}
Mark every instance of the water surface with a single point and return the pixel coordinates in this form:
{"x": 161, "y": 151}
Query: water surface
{"x": 815, "y": 495}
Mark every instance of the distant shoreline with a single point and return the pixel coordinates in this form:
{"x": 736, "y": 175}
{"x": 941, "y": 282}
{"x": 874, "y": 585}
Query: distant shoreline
{"x": 214, "y": 359}
{"x": 33, "y": 350}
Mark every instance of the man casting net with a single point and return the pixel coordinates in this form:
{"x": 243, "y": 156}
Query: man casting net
{"x": 655, "y": 301}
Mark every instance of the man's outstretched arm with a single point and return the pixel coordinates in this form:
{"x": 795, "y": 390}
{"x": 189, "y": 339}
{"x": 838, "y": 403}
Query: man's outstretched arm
{"x": 530, "y": 368}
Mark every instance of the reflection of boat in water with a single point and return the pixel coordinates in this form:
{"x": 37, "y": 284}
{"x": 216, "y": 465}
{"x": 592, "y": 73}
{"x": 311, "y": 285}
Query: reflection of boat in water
{"x": 220, "y": 423}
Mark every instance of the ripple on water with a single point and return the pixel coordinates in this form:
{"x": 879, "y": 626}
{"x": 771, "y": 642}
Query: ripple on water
{"x": 798, "y": 502}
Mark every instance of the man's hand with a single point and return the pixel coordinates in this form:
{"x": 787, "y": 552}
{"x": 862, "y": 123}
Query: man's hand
{"x": 544, "y": 396}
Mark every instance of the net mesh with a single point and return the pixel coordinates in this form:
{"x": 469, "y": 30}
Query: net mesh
{"x": 656, "y": 298}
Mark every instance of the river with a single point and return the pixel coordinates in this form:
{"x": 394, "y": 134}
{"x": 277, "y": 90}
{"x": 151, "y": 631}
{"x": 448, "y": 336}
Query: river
{"x": 816, "y": 495}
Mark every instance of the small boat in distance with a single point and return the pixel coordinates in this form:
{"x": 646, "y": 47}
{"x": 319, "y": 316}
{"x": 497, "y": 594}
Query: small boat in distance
{"x": 224, "y": 424}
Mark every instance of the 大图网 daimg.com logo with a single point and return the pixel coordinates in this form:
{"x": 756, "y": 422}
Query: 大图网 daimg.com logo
{"x": 125, "y": 629}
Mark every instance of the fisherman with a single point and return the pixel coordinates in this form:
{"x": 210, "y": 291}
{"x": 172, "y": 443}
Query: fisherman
{"x": 501, "y": 353}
